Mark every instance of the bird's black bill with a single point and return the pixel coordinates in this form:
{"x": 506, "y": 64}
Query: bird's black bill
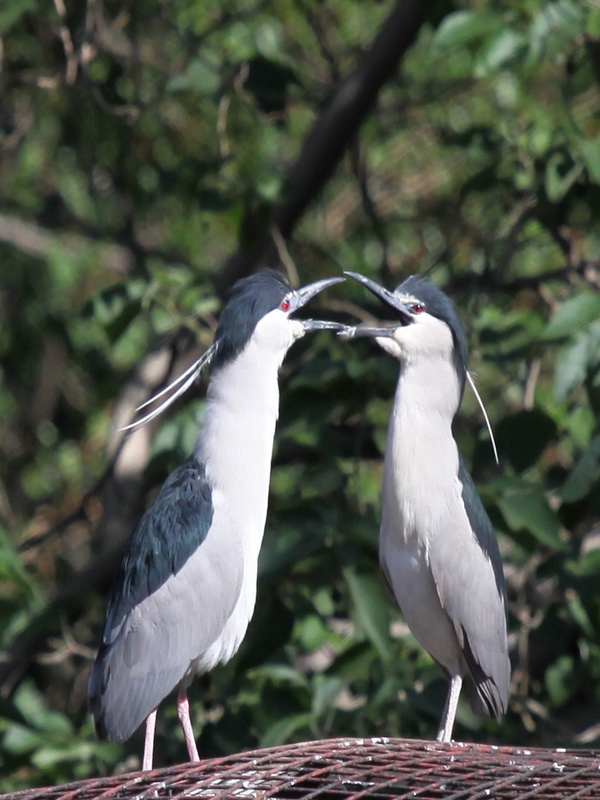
{"x": 325, "y": 324}
{"x": 306, "y": 293}
{"x": 389, "y": 298}
{"x": 365, "y": 331}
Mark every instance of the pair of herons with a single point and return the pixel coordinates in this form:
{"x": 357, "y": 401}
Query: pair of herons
{"x": 186, "y": 587}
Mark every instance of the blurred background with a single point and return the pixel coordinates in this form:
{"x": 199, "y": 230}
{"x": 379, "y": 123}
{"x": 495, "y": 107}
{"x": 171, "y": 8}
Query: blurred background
{"x": 151, "y": 153}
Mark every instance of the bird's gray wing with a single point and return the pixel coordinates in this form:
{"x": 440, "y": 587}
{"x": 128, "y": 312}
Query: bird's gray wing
{"x": 467, "y": 570}
{"x": 172, "y": 597}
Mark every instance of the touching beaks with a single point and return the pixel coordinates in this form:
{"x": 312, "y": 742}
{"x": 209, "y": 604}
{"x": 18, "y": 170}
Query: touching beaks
{"x": 185, "y": 380}
{"x": 352, "y": 332}
{"x": 325, "y": 324}
{"x": 306, "y": 293}
{"x": 386, "y": 296}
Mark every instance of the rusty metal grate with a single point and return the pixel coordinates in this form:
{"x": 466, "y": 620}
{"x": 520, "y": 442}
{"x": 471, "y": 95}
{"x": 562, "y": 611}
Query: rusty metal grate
{"x": 370, "y": 769}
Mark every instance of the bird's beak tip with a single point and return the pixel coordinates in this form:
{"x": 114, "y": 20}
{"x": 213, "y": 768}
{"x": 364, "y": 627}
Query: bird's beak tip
{"x": 323, "y": 324}
{"x": 356, "y": 275}
{"x": 364, "y": 332}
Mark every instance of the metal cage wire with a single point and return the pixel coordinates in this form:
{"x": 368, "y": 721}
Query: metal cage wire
{"x": 370, "y": 769}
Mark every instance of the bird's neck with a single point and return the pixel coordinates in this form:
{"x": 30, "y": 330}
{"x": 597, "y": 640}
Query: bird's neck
{"x": 428, "y": 390}
{"x": 236, "y": 441}
{"x": 427, "y": 398}
{"x": 421, "y": 457}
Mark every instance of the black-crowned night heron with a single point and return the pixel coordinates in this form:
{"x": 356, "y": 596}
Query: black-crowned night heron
{"x": 186, "y": 587}
{"x": 437, "y": 548}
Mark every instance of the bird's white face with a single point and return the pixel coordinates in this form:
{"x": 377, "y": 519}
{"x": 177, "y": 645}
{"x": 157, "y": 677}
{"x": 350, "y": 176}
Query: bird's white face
{"x": 420, "y": 336}
{"x": 276, "y": 332}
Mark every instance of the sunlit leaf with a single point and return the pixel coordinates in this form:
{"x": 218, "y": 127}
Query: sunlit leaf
{"x": 284, "y": 730}
{"x": 525, "y": 508}
{"x": 584, "y": 474}
{"x": 591, "y": 154}
{"x": 498, "y": 48}
{"x": 199, "y": 77}
{"x": 573, "y": 314}
{"x": 463, "y": 27}
{"x": 571, "y": 365}
{"x": 371, "y": 609}
{"x": 19, "y": 739}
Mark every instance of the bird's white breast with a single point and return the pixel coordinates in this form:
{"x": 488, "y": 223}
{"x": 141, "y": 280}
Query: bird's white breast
{"x": 420, "y": 483}
{"x": 236, "y": 445}
{"x": 421, "y": 498}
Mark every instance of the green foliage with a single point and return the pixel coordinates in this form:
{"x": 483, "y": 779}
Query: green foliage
{"x": 131, "y": 171}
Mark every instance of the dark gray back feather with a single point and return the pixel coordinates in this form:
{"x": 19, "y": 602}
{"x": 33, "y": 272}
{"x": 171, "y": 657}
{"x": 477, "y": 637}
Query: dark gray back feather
{"x": 173, "y": 527}
{"x": 149, "y": 636}
{"x": 481, "y": 525}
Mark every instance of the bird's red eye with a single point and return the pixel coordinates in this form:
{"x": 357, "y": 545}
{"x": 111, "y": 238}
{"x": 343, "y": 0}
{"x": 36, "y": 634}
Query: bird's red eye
{"x": 417, "y": 308}
{"x": 285, "y": 305}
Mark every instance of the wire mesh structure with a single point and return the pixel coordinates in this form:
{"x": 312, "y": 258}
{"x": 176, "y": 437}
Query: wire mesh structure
{"x": 369, "y": 769}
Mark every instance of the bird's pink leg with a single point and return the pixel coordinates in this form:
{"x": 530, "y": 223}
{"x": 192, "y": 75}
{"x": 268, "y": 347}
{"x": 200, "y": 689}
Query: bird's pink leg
{"x": 447, "y": 723}
{"x": 149, "y": 742}
{"x": 183, "y": 712}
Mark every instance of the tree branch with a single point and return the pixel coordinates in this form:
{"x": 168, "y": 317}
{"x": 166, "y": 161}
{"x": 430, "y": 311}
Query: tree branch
{"x": 331, "y": 135}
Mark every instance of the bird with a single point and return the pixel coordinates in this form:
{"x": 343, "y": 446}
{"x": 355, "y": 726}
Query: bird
{"x": 437, "y": 549}
{"x": 186, "y": 586}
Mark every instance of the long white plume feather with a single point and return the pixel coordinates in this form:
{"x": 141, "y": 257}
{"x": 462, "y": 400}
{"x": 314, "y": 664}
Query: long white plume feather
{"x": 188, "y": 377}
{"x": 485, "y": 416}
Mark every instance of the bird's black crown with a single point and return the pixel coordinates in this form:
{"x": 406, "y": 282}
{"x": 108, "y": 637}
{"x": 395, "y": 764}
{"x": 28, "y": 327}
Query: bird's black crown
{"x": 439, "y": 305}
{"x": 249, "y": 301}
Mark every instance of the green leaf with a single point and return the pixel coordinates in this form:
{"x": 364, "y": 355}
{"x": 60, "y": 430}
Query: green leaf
{"x": 284, "y": 730}
{"x": 571, "y": 366}
{"x": 11, "y": 13}
{"x": 559, "y": 179}
{"x": 50, "y": 755}
{"x": 572, "y": 315}
{"x": 587, "y": 564}
{"x": 13, "y": 570}
{"x": 584, "y": 474}
{"x": 31, "y": 704}
{"x": 497, "y": 50}
{"x": 555, "y": 27}
{"x": 198, "y": 77}
{"x": 19, "y": 739}
{"x": 593, "y": 23}
{"x": 326, "y": 689}
{"x": 560, "y": 680}
{"x": 281, "y": 673}
{"x": 579, "y": 613}
{"x": 590, "y": 149}
{"x": 510, "y": 335}
{"x": 371, "y": 609}
{"x": 463, "y": 27}
{"x": 525, "y": 508}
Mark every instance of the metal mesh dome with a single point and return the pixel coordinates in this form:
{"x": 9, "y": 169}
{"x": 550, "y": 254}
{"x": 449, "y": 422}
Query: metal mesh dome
{"x": 371, "y": 769}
